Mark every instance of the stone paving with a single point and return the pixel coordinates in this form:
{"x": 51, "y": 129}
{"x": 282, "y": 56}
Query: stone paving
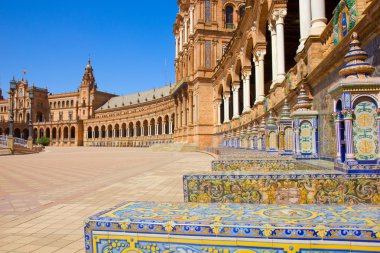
{"x": 44, "y": 198}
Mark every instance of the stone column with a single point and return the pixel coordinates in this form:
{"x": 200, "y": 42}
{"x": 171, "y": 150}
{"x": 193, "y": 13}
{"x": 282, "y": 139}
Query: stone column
{"x": 257, "y": 77}
{"x": 69, "y": 136}
{"x": 156, "y": 129}
{"x": 176, "y": 112}
{"x": 259, "y": 67}
{"x": 318, "y": 17}
{"x": 297, "y": 138}
{"x": 186, "y": 31}
{"x": 246, "y": 91}
{"x": 282, "y": 140}
{"x": 176, "y": 47}
{"x": 219, "y": 109}
{"x": 142, "y": 131}
{"x": 170, "y": 127}
{"x": 180, "y": 39}
{"x": 135, "y": 132}
{"x": 179, "y": 114}
{"x": 128, "y": 132}
{"x": 226, "y": 99}
{"x": 338, "y": 137}
{"x": 149, "y": 129}
{"x": 305, "y": 22}
{"x": 191, "y": 14}
{"x": 279, "y": 16}
{"x": 163, "y": 128}
{"x": 314, "y": 151}
{"x": 93, "y": 135}
{"x": 184, "y": 105}
{"x": 235, "y": 89}
{"x": 349, "y": 135}
{"x": 190, "y": 107}
{"x": 273, "y": 31}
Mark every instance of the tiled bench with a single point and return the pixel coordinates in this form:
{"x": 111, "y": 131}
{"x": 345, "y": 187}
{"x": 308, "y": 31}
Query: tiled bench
{"x": 233, "y": 228}
{"x": 280, "y": 188}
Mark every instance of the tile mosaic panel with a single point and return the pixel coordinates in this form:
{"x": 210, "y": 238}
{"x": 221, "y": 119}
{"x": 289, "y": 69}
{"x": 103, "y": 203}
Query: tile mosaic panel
{"x": 189, "y": 228}
{"x": 306, "y": 138}
{"x": 365, "y": 131}
{"x": 260, "y": 165}
{"x": 289, "y": 139}
{"x": 332, "y": 189}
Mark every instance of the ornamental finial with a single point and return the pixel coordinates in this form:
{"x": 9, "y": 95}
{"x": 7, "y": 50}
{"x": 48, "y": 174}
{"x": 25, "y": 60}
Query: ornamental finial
{"x": 271, "y": 121}
{"x": 356, "y": 67}
{"x": 303, "y": 101}
{"x": 285, "y": 114}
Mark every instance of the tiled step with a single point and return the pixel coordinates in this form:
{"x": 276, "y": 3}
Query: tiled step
{"x": 4, "y": 151}
{"x": 174, "y": 147}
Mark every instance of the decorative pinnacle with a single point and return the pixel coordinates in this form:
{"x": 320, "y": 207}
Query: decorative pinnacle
{"x": 89, "y": 63}
{"x": 303, "y": 103}
{"x": 356, "y": 67}
{"x": 262, "y": 124}
{"x": 271, "y": 121}
{"x": 285, "y": 114}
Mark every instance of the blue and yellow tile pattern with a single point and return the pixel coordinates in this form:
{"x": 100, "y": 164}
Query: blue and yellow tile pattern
{"x": 189, "y": 227}
{"x": 280, "y": 188}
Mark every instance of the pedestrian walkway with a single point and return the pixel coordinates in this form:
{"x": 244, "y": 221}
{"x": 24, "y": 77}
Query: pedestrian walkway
{"x": 45, "y": 197}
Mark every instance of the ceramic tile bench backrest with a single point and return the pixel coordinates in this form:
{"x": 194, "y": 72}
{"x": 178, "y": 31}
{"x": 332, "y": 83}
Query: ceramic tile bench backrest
{"x": 282, "y": 189}
{"x": 260, "y": 165}
{"x": 146, "y": 227}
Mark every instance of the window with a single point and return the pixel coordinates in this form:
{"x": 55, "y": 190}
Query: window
{"x": 229, "y": 17}
{"x": 207, "y": 11}
{"x": 208, "y": 53}
{"x": 60, "y": 116}
{"x": 70, "y": 115}
{"x": 51, "y": 116}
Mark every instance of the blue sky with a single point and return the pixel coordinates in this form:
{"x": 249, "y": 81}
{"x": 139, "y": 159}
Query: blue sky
{"x": 128, "y": 41}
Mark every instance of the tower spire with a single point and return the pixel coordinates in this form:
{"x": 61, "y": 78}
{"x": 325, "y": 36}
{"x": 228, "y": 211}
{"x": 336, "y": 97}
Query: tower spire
{"x": 88, "y": 78}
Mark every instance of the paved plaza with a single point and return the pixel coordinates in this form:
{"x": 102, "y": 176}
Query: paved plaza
{"x": 44, "y": 198}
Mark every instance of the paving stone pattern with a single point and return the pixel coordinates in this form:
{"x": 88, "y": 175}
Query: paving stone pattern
{"x": 44, "y": 198}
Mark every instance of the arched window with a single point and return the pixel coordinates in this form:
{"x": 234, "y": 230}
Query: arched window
{"x": 230, "y": 17}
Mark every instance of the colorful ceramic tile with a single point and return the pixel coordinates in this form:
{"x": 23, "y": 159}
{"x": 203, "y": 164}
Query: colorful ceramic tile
{"x": 189, "y": 227}
{"x": 261, "y": 165}
{"x": 283, "y": 188}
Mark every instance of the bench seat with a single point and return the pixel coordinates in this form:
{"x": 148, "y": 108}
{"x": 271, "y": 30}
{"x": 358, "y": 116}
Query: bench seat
{"x": 227, "y": 228}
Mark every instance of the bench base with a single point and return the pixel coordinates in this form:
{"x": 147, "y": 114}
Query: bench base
{"x": 132, "y": 243}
